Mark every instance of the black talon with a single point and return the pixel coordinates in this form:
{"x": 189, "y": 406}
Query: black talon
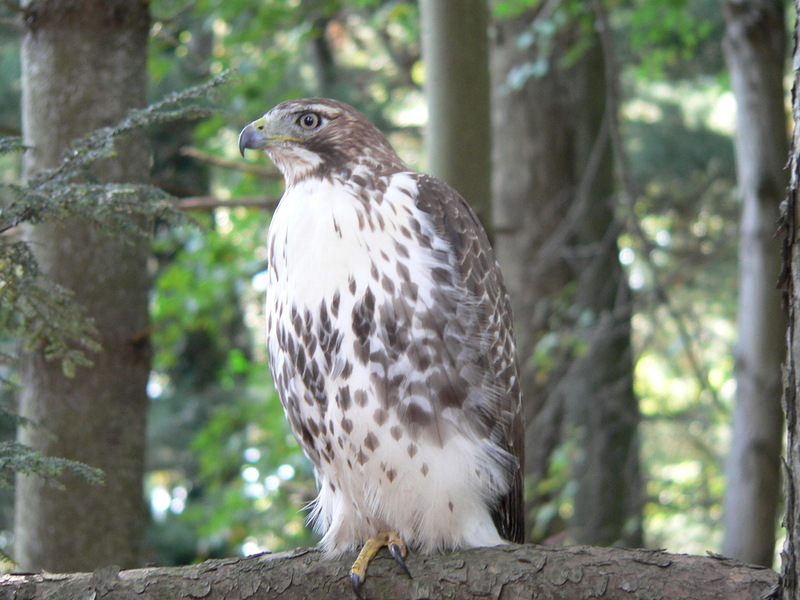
{"x": 396, "y": 551}
{"x": 358, "y": 582}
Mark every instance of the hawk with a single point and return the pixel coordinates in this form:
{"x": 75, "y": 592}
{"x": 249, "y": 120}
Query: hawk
{"x": 390, "y": 342}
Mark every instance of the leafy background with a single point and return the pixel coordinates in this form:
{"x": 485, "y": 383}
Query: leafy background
{"x": 225, "y": 475}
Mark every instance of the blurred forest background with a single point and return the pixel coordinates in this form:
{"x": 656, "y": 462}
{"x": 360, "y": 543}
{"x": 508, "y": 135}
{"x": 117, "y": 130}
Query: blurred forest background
{"x": 619, "y": 237}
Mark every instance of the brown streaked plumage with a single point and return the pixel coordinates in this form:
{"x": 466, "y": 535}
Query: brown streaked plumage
{"x": 390, "y": 341}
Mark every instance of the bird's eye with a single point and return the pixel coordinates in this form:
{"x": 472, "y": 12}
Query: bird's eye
{"x": 309, "y": 120}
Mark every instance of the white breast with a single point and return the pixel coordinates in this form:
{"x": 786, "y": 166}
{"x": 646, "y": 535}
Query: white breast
{"x": 325, "y": 241}
{"x": 318, "y": 242}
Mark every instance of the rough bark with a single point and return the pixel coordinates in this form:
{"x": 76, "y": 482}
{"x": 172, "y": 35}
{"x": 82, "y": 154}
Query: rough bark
{"x": 790, "y": 278}
{"x": 84, "y": 66}
{"x": 556, "y": 240}
{"x": 754, "y": 50}
{"x": 519, "y": 572}
{"x": 458, "y": 136}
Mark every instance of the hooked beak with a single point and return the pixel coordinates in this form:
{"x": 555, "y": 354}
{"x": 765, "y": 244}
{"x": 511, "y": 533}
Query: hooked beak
{"x": 252, "y": 136}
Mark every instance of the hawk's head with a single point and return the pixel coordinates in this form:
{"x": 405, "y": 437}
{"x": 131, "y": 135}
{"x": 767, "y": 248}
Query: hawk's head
{"x": 319, "y": 137}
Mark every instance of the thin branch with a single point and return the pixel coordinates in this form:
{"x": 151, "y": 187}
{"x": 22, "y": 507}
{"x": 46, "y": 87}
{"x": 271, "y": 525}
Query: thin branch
{"x": 189, "y": 204}
{"x": 551, "y": 251}
{"x": 218, "y": 161}
{"x": 208, "y": 203}
{"x": 13, "y": 6}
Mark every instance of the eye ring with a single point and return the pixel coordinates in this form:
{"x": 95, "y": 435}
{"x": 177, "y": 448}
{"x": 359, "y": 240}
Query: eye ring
{"x": 309, "y": 120}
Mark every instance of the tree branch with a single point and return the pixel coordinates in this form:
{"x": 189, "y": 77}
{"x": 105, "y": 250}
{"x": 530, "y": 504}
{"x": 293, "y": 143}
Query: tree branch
{"x": 218, "y": 161}
{"x": 207, "y": 203}
{"x": 523, "y": 572}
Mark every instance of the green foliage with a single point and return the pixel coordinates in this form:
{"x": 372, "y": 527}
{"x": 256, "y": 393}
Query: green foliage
{"x": 555, "y": 493}
{"x": 218, "y": 435}
{"x": 682, "y": 261}
{"x": 16, "y": 458}
{"x": 670, "y": 38}
{"x": 217, "y": 399}
{"x": 40, "y": 314}
{"x": 506, "y": 9}
{"x": 10, "y": 144}
{"x": 9, "y": 76}
{"x": 664, "y": 38}
{"x": 679, "y": 247}
{"x": 256, "y": 503}
{"x": 568, "y": 24}
{"x": 225, "y": 476}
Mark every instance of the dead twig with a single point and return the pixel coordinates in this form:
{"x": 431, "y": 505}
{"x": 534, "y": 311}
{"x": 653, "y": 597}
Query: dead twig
{"x": 209, "y": 203}
{"x": 226, "y": 163}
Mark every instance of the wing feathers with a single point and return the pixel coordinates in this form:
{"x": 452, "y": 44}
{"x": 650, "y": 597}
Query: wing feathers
{"x": 480, "y": 276}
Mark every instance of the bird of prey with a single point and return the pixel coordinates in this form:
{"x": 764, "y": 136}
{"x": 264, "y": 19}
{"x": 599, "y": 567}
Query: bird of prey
{"x": 390, "y": 342}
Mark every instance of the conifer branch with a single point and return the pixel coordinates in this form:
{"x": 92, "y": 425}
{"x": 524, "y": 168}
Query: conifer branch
{"x": 42, "y": 315}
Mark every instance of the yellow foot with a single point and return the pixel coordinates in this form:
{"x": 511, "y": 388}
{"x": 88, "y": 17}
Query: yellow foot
{"x": 397, "y": 548}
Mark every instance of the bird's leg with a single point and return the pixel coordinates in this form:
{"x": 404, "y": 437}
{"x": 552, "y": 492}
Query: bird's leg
{"x": 397, "y": 548}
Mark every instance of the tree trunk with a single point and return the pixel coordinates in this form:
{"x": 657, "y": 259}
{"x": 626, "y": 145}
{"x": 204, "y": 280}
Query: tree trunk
{"x": 790, "y": 280}
{"x": 754, "y": 49}
{"x": 84, "y": 66}
{"x": 458, "y": 137}
{"x": 519, "y": 572}
{"x": 556, "y": 240}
